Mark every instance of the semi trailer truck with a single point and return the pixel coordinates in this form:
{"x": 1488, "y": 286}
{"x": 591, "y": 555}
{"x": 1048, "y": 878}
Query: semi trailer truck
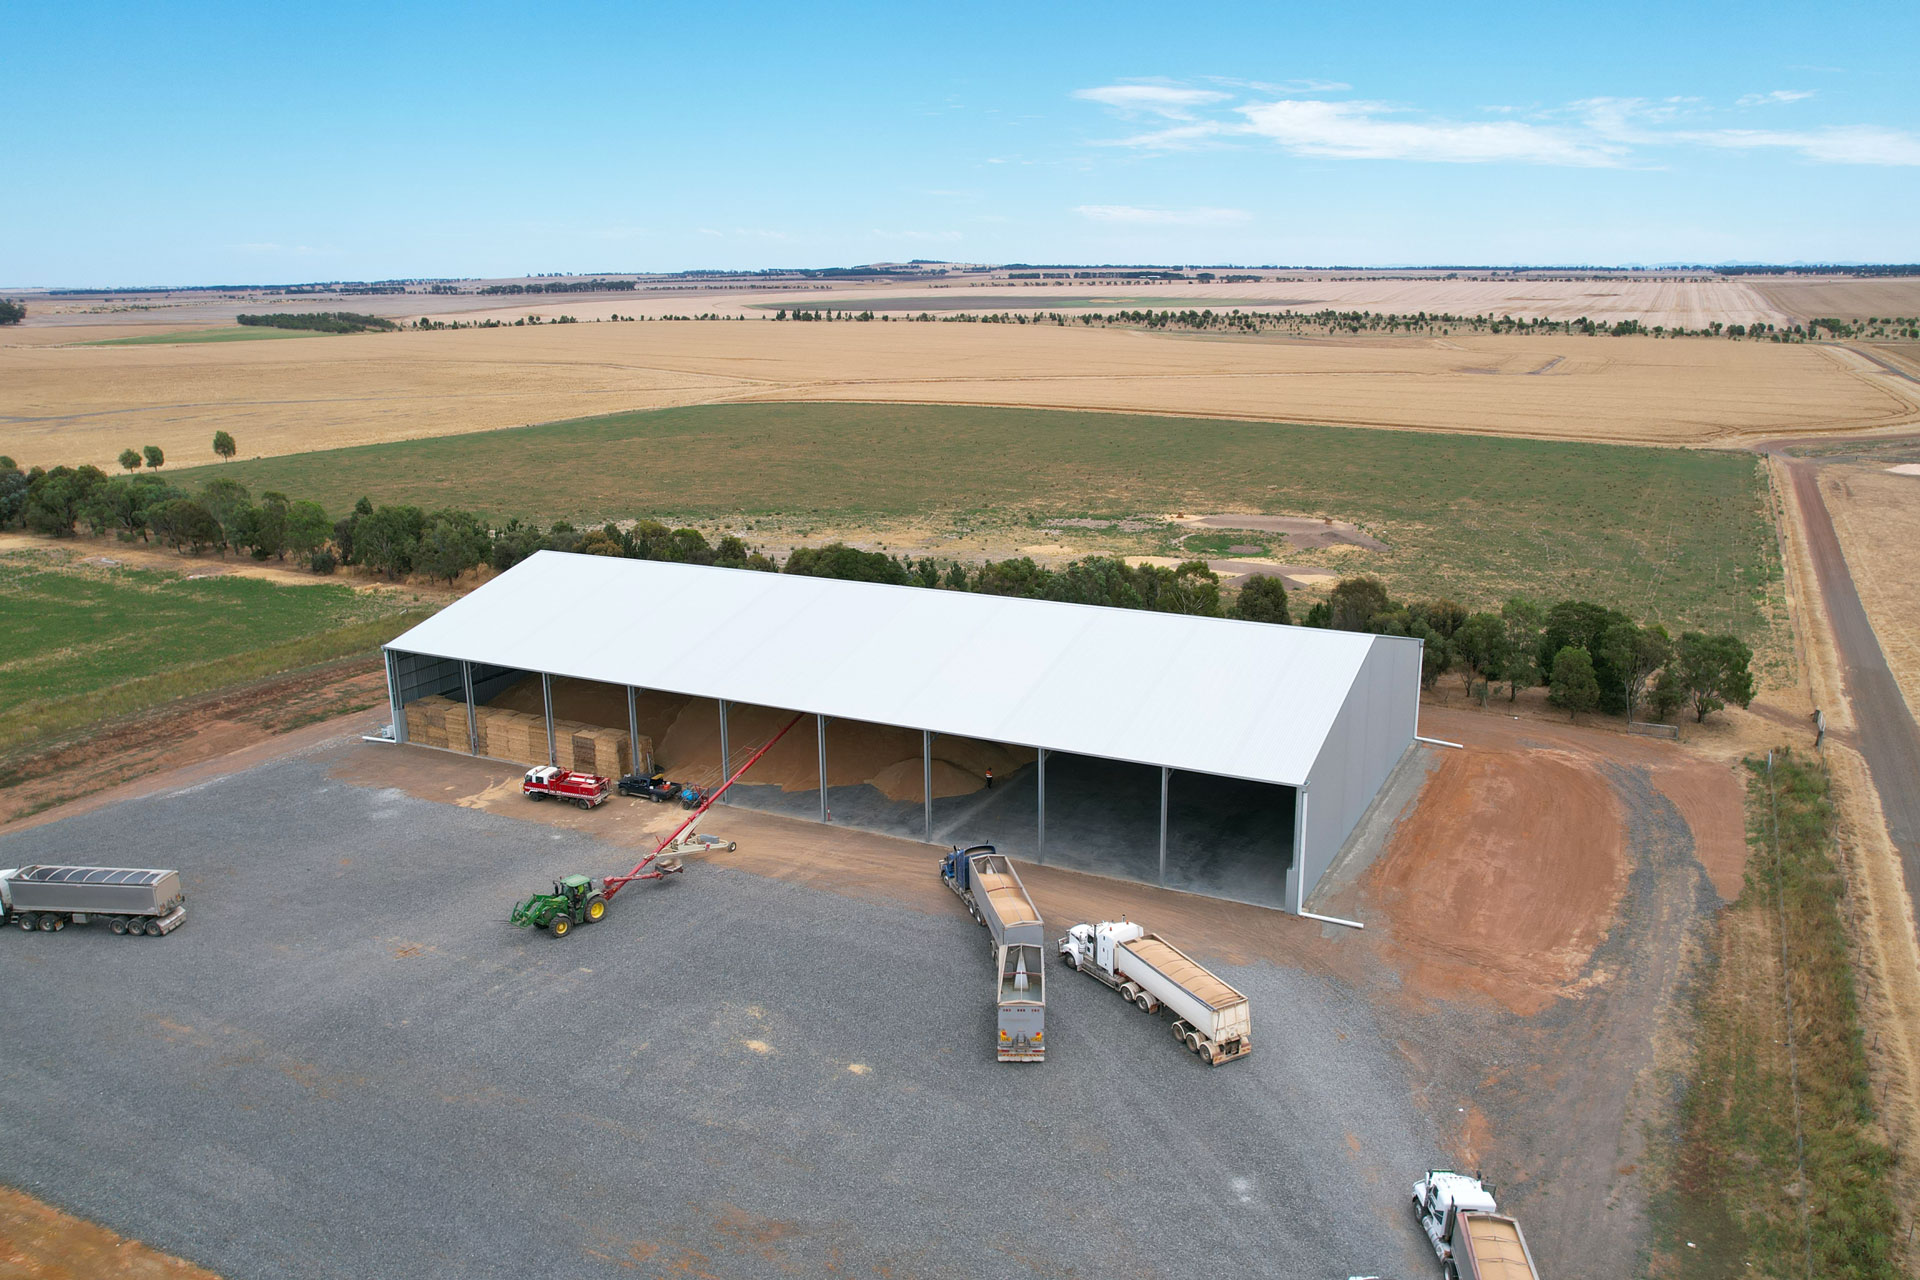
{"x": 128, "y": 900}
{"x": 1210, "y": 1017}
{"x": 1016, "y": 937}
{"x": 1469, "y": 1234}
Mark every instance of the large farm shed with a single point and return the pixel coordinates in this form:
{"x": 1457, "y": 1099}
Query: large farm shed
{"x": 1220, "y": 757}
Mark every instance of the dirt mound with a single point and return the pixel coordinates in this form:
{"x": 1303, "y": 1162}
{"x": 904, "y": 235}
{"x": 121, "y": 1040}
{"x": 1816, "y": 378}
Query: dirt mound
{"x": 1505, "y": 876}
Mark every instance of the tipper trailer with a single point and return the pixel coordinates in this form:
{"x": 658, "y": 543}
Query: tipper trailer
{"x": 1017, "y": 937}
{"x": 1210, "y": 1017}
{"x": 129, "y": 900}
{"x": 1469, "y": 1234}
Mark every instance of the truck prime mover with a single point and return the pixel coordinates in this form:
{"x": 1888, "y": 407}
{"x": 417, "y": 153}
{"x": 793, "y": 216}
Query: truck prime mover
{"x": 1211, "y": 1018}
{"x": 129, "y": 900}
{"x": 1469, "y": 1234}
{"x": 991, "y": 888}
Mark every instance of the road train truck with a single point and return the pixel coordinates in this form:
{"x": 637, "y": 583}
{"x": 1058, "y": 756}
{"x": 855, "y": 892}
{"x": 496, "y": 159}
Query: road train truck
{"x": 127, "y": 900}
{"x": 1472, "y": 1238}
{"x": 1210, "y": 1017}
{"x": 1017, "y": 938}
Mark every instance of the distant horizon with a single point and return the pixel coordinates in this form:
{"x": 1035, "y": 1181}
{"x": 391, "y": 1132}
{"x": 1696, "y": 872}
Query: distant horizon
{"x": 1886, "y": 268}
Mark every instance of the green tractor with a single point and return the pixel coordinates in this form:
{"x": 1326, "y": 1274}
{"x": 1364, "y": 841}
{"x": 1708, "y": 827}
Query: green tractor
{"x": 575, "y": 900}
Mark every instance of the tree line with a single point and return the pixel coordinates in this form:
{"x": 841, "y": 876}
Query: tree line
{"x": 1591, "y": 658}
{"x": 320, "y": 321}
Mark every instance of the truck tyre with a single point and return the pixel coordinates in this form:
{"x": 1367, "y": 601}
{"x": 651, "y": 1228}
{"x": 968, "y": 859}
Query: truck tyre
{"x": 1453, "y": 1272}
{"x": 596, "y": 907}
{"x": 584, "y": 803}
{"x": 153, "y": 928}
{"x": 1144, "y": 1001}
{"x": 116, "y": 925}
{"x": 560, "y": 926}
{"x": 25, "y": 921}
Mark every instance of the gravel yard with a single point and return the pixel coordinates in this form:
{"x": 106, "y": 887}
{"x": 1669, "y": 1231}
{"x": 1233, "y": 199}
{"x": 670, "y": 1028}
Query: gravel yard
{"x": 348, "y": 1064}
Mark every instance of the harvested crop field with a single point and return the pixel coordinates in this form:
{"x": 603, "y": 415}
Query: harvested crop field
{"x": 1844, "y": 298}
{"x": 1876, "y": 513}
{"x": 76, "y": 403}
{"x": 1678, "y": 535}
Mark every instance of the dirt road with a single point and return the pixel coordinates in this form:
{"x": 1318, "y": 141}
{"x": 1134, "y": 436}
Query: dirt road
{"x": 1888, "y": 736}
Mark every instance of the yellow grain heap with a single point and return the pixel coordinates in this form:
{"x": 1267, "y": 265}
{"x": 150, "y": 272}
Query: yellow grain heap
{"x": 435, "y": 721}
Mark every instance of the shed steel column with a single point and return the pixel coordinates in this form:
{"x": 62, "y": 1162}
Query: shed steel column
{"x": 1165, "y": 775}
{"x": 926, "y": 777}
{"x": 1299, "y": 870}
{"x": 1042, "y": 852}
{"x": 393, "y": 697}
{"x": 546, "y": 696}
{"x": 633, "y": 732}
{"x": 820, "y": 725}
{"x": 473, "y": 729}
{"x": 726, "y": 755}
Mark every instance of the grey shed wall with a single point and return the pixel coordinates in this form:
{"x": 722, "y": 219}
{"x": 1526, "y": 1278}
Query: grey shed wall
{"x": 1375, "y": 727}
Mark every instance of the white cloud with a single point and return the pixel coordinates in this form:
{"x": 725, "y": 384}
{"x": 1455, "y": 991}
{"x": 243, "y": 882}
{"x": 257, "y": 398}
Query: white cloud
{"x": 1134, "y": 215}
{"x": 1169, "y": 101}
{"x": 1842, "y": 144}
{"x": 1368, "y": 131}
{"x": 1586, "y": 133}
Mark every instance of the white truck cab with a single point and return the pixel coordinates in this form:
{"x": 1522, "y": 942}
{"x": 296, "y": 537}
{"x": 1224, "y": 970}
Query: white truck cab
{"x": 1441, "y": 1195}
{"x": 6, "y": 894}
{"x": 1087, "y": 944}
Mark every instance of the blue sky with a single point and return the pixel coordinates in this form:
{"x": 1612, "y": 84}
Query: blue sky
{"x": 265, "y": 143}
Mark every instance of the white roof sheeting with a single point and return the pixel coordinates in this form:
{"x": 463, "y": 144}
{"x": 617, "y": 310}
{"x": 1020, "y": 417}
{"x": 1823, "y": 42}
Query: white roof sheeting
{"x": 1240, "y": 699}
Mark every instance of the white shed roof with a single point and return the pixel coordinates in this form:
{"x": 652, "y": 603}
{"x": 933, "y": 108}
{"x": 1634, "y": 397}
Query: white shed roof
{"x": 1240, "y": 699}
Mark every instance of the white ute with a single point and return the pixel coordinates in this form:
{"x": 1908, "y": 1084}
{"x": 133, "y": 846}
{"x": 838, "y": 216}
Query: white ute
{"x": 1469, "y": 1234}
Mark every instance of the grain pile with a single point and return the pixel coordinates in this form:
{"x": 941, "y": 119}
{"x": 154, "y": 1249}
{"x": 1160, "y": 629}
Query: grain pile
{"x": 507, "y": 734}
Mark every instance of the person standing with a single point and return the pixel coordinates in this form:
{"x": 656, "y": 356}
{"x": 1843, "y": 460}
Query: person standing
{"x": 989, "y": 779}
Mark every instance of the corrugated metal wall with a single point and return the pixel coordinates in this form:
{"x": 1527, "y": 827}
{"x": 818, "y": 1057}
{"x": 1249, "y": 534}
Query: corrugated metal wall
{"x": 1374, "y": 729}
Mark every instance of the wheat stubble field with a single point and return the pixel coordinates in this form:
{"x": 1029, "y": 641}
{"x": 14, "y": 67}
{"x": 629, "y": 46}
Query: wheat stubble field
{"x": 62, "y": 401}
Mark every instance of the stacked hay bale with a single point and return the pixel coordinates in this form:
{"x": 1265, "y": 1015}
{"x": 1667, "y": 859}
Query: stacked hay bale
{"x": 434, "y": 721}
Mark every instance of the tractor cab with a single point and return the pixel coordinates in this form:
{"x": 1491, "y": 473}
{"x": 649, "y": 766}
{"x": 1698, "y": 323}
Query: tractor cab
{"x": 574, "y": 888}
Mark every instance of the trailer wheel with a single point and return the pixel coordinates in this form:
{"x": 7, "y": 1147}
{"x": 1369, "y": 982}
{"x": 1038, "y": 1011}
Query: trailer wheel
{"x": 49, "y": 923}
{"x": 1453, "y": 1272}
{"x": 1145, "y": 1002}
{"x": 116, "y": 925}
{"x": 153, "y": 928}
{"x": 560, "y": 926}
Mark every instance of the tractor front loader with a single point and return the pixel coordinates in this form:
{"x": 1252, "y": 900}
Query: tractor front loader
{"x": 574, "y": 900}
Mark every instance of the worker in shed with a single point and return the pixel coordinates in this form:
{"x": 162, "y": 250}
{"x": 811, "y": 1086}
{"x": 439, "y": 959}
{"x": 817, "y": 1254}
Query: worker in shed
{"x": 989, "y": 779}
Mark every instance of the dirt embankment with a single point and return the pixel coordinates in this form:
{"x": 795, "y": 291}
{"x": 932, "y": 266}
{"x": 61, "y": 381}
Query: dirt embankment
{"x": 38, "y": 1242}
{"x": 189, "y": 732}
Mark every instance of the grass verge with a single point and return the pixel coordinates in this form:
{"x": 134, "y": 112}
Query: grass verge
{"x": 1774, "y": 1094}
{"x": 35, "y": 721}
{"x": 199, "y": 335}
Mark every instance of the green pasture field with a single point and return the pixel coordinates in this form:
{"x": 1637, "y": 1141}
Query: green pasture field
{"x": 1679, "y": 536}
{"x": 238, "y": 333}
{"x": 83, "y": 642}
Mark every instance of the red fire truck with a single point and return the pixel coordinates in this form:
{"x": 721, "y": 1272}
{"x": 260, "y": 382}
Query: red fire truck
{"x": 585, "y": 789}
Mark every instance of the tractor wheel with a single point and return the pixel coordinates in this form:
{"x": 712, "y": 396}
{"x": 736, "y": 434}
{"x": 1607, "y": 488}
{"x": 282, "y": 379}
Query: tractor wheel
{"x": 560, "y": 926}
{"x": 596, "y": 907}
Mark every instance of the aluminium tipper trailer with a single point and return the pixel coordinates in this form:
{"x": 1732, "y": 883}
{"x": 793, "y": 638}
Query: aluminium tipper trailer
{"x": 991, "y": 888}
{"x": 1210, "y": 1017}
{"x": 129, "y": 900}
{"x": 1016, "y": 938}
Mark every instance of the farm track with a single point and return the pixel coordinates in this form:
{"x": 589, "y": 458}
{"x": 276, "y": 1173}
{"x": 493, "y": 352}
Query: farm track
{"x": 1888, "y": 737}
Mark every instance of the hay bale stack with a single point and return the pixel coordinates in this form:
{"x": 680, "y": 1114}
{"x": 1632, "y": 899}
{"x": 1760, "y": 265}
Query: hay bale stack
{"x": 506, "y": 734}
{"x": 434, "y": 721}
